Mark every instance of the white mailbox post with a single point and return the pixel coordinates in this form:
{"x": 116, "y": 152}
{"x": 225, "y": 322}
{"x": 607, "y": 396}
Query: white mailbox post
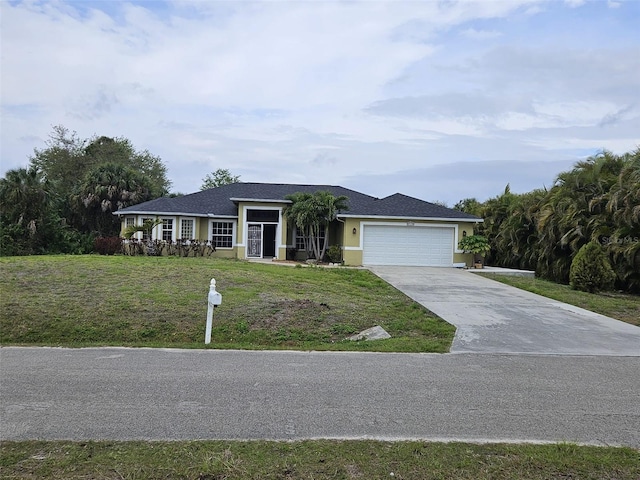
{"x": 215, "y": 299}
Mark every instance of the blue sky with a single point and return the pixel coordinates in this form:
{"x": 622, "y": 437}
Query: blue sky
{"x": 438, "y": 100}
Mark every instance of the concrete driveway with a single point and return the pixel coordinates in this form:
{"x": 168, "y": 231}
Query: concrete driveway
{"x": 491, "y": 317}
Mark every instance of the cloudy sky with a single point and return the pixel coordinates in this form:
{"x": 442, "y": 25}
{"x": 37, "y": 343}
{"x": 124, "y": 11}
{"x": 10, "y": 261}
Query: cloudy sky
{"x": 438, "y": 100}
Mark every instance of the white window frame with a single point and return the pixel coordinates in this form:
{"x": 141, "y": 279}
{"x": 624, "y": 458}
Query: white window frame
{"x": 163, "y": 229}
{"x": 232, "y": 235}
{"x": 245, "y": 225}
{"x": 141, "y": 235}
{"x": 300, "y": 235}
{"x": 193, "y": 228}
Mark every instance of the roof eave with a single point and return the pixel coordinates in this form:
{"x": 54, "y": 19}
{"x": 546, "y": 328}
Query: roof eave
{"x": 440, "y": 219}
{"x": 261, "y": 200}
{"x": 165, "y": 214}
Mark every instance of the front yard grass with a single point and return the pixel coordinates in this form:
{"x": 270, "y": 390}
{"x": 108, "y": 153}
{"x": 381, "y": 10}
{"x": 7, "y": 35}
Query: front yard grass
{"x": 319, "y": 459}
{"x": 621, "y": 306}
{"x": 95, "y": 300}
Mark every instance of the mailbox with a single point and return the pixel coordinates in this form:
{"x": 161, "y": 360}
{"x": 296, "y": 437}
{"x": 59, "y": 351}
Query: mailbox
{"x": 215, "y": 298}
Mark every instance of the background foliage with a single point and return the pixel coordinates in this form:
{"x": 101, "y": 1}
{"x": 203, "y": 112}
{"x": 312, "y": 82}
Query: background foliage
{"x": 67, "y": 195}
{"x": 542, "y": 230}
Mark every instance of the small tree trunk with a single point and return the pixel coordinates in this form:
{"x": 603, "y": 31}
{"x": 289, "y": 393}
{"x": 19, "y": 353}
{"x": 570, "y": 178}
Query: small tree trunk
{"x": 324, "y": 243}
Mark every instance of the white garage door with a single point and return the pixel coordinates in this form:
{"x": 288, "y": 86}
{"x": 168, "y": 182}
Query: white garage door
{"x": 407, "y": 245}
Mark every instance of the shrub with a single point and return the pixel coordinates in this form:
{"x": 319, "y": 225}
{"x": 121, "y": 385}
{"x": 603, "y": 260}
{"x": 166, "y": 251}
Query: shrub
{"x": 334, "y": 253}
{"x": 590, "y": 269}
{"x": 476, "y": 244}
{"x": 108, "y": 245}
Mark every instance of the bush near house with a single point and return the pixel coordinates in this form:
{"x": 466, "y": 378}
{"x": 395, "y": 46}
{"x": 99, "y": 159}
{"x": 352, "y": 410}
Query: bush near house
{"x": 476, "y": 244}
{"x": 591, "y": 270}
{"x": 108, "y": 245}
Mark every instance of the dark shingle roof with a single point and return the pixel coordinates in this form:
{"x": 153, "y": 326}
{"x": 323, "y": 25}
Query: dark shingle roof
{"x": 218, "y": 201}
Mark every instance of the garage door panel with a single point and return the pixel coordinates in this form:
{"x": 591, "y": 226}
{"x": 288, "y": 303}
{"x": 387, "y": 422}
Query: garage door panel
{"x": 407, "y": 245}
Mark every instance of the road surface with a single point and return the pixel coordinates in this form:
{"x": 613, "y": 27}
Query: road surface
{"x": 172, "y": 394}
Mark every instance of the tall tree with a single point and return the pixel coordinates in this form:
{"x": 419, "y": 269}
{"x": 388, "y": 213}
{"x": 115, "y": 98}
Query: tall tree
{"x": 120, "y": 151}
{"x": 469, "y": 205}
{"x": 598, "y": 200}
{"x": 623, "y": 206}
{"x": 106, "y": 189}
{"x": 67, "y": 160}
{"x": 313, "y": 213}
{"x": 28, "y": 217}
{"x": 221, "y": 176}
{"x": 62, "y": 162}
{"x": 574, "y": 213}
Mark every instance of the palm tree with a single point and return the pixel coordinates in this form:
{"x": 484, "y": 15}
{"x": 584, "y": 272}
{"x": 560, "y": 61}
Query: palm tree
{"x": 27, "y": 211}
{"x": 106, "y": 189}
{"x": 312, "y": 214}
{"x": 623, "y": 207}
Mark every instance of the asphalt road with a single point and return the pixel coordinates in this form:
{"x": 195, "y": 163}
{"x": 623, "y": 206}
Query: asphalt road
{"x": 157, "y": 394}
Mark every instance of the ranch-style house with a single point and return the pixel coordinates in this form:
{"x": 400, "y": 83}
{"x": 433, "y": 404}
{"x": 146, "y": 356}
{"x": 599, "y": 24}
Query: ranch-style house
{"x": 246, "y": 221}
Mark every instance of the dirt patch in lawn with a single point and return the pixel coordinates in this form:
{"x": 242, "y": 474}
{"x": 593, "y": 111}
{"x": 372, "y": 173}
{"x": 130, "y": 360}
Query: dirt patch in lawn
{"x": 278, "y": 312}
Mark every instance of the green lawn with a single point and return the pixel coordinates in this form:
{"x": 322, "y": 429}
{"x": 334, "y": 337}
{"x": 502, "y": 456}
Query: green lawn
{"x": 621, "y": 306}
{"x": 162, "y": 302}
{"x": 322, "y": 459}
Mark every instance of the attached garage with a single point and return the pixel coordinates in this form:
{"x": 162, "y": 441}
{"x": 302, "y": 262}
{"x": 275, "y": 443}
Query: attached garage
{"x": 418, "y": 245}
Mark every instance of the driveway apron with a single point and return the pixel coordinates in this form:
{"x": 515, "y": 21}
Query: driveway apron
{"x": 491, "y": 317}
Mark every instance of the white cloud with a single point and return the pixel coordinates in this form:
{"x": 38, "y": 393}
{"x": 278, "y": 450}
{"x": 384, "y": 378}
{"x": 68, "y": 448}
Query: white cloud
{"x": 324, "y": 92}
{"x": 480, "y": 34}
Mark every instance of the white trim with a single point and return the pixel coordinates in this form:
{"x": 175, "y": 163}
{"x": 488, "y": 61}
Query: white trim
{"x": 399, "y": 224}
{"x": 214, "y": 215}
{"x": 234, "y": 231}
{"x": 411, "y": 225}
{"x": 193, "y": 227}
{"x": 245, "y": 227}
{"x": 160, "y": 227}
{"x": 166, "y": 214}
{"x": 439, "y": 219}
{"x": 259, "y": 200}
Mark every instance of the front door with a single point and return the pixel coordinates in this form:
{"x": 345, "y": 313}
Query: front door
{"x": 254, "y": 241}
{"x": 269, "y": 240}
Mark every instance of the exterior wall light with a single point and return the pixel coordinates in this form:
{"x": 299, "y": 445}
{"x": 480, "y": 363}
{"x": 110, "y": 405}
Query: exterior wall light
{"x": 354, "y": 231}
{"x": 464, "y": 233}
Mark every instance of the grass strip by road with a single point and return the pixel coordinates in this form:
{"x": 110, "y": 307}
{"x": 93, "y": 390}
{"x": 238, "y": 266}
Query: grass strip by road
{"x": 319, "y": 459}
{"x": 96, "y": 300}
{"x": 621, "y": 306}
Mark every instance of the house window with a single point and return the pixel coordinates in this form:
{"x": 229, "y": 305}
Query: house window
{"x": 263, "y": 216}
{"x": 186, "y": 230}
{"x": 129, "y": 222}
{"x": 222, "y": 234}
{"x": 167, "y": 229}
{"x": 146, "y": 233}
{"x": 300, "y": 238}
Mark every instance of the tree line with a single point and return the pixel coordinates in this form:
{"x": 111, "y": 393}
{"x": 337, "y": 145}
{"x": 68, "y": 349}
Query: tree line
{"x": 66, "y": 196}
{"x": 598, "y": 200}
